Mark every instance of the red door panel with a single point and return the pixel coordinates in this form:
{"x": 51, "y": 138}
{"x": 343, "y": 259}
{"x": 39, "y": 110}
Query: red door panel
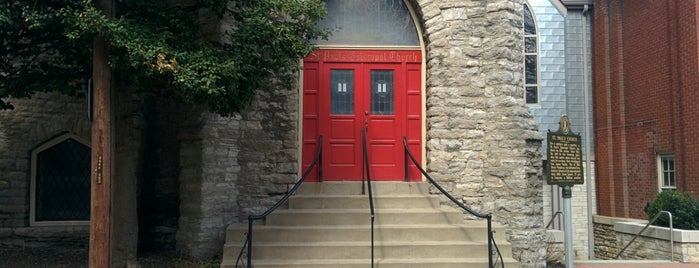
{"x": 384, "y": 101}
{"x": 344, "y": 94}
{"x": 340, "y": 121}
{"x": 310, "y": 122}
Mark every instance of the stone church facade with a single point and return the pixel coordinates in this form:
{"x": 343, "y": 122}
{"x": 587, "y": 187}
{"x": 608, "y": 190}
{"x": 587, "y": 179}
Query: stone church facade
{"x": 184, "y": 174}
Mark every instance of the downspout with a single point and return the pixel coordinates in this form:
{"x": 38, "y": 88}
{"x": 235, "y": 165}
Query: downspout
{"x": 590, "y": 229}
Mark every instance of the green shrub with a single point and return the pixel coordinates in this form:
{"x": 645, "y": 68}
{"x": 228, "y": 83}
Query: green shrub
{"x": 684, "y": 209}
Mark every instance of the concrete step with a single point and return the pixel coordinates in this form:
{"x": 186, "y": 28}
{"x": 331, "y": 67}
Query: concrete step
{"x": 379, "y": 263}
{"x": 471, "y": 231}
{"x": 355, "y": 188}
{"x": 305, "y": 201}
{"x": 363, "y": 216}
{"x": 362, "y": 249}
{"x": 329, "y": 225}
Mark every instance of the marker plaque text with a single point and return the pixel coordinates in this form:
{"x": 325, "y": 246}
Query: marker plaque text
{"x": 564, "y": 155}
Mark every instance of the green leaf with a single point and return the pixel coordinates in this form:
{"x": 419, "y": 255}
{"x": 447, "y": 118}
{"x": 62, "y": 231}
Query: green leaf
{"x": 159, "y": 48}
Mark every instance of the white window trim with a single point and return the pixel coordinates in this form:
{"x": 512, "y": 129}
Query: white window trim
{"x": 661, "y": 173}
{"x": 32, "y": 186}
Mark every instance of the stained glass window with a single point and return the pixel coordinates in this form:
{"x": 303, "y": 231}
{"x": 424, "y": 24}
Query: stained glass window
{"x": 530, "y": 69}
{"x": 531, "y": 55}
{"x": 62, "y": 182}
{"x": 381, "y": 92}
{"x": 369, "y": 23}
{"x": 529, "y": 25}
{"x": 342, "y": 91}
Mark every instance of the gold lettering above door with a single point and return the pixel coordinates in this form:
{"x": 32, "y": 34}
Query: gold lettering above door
{"x": 364, "y": 56}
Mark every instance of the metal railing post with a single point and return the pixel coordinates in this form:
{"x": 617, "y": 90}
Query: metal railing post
{"x": 490, "y": 241}
{"x": 488, "y": 217}
{"x": 320, "y": 160}
{"x": 672, "y": 235}
{"x": 405, "y": 163}
{"x": 672, "y": 239}
{"x": 558, "y": 213}
{"x": 366, "y": 168}
{"x": 249, "y": 241}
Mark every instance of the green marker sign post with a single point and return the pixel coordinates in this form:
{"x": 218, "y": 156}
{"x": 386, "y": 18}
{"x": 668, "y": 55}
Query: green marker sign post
{"x": 564, "y": 168}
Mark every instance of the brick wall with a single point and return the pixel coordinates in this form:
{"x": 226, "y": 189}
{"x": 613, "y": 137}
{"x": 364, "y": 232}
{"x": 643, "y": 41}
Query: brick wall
{"x": 645, "y": 69}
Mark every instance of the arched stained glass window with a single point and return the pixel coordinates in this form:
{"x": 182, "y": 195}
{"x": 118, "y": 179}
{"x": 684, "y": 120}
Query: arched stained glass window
{"x": 369, "y": 23}
{"x": 531, "y": 56}
{"x": 60, "y": 191}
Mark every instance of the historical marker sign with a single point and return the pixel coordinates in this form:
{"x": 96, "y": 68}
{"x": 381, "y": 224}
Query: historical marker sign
{"x": 564, "y": 156}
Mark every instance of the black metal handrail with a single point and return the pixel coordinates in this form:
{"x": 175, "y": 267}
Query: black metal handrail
{"x": 492, "y": 247}
{"x": 365, "y": 170}
{"x": 558, "y": 213}
{"x": 252, "y": 218}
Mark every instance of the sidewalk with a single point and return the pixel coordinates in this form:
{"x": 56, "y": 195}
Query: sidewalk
{"x": 633, "y": 264}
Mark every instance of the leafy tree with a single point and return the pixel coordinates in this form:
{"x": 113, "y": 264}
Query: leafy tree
{"x": 210, "y": 52}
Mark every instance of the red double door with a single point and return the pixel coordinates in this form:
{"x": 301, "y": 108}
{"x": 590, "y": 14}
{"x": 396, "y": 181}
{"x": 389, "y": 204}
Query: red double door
{"x": 347, "y": 91}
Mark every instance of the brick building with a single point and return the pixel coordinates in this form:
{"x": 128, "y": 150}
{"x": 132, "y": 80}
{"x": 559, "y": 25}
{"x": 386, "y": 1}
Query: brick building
{"x": 645, "y": 78}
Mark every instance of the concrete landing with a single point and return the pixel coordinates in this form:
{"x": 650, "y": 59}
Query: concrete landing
{"x": 633, "y": 264}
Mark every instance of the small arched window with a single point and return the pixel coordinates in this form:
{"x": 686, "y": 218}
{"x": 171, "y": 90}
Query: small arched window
{"x": 531, "y": 56}
{"x": 60, "y": 183}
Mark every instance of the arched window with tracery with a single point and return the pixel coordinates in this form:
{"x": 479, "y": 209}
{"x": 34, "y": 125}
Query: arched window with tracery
{"x": 60, "y": 182}
{"x": 531, "y": 56}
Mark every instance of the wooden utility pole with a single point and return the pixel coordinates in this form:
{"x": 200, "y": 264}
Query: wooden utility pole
{"x": 102, "y": 152}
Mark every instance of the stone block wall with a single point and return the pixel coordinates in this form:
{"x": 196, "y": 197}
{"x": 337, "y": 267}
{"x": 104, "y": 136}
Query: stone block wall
{"x": 689, "y": 252}
{"x": 606, "y": 247}
{"x": 32, "y": 122}
{"x": 207, "y": 184}
{"x": 41, "y": 118}
{"x": 655, "y": 243}
{"x": 482, "y": 141}
{"x": 644, "y": 248}
{"x": 269, "y": 148}
{"x": 232, "y": 167}
{"x": 613, "y": 234}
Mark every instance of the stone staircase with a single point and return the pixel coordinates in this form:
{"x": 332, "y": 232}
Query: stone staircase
{"x": 329, "y": 225}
